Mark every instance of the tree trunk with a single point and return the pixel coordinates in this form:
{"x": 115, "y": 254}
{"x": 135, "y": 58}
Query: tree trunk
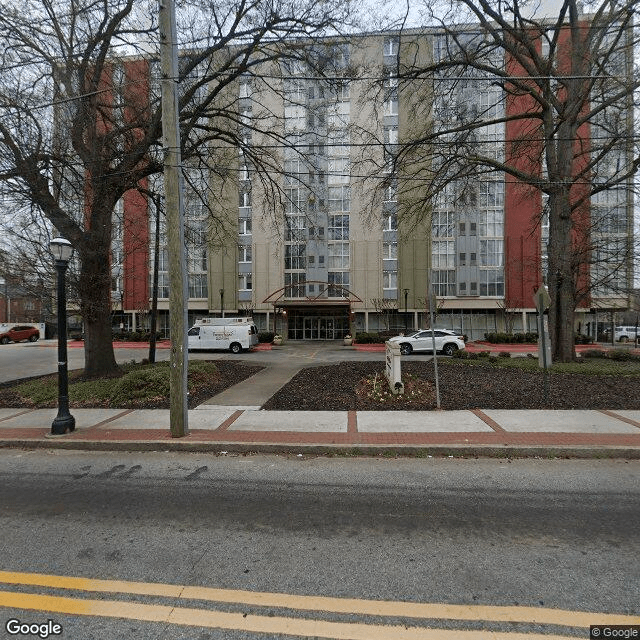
{"x": 95, "y": 306}
{"x": 560, "y": 278}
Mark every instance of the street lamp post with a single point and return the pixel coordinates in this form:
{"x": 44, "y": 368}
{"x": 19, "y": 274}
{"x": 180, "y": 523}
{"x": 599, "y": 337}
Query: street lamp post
{"x": 222, "y": 303}
{"x": 64, "y": 422}
{"x": 406, "y": 314}
{"x": 7, "y": 302}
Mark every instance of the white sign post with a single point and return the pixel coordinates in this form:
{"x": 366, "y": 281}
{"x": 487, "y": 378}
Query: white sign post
{"x": 394, "y": 374}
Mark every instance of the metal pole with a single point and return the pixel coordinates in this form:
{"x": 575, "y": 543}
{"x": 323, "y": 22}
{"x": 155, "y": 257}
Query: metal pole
{"x": 64, "y": 422}
{"x": 178, "y": 304}
{"x": 431, "y": 298}
{"x": 406, "y": 314}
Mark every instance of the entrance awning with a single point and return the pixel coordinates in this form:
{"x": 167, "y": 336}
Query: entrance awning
{"x": 346, "y": 297}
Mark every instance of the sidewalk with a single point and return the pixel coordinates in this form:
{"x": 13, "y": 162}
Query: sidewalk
{"x": 233, "y": 422}
{"x": 217, "y": 428}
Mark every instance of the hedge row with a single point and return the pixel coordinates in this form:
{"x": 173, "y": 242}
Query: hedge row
{"x": 621, "y": 355}
{"x": 370, "y": 338}
{"x": 511, "y": 338}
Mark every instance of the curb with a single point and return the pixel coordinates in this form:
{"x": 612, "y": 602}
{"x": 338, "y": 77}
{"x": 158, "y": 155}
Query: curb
{"x": 338, "y": 450}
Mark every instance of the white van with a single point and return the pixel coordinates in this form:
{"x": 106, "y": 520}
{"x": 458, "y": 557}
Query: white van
{"x": 625, "y": 334}
{"x": 234, "y": 334}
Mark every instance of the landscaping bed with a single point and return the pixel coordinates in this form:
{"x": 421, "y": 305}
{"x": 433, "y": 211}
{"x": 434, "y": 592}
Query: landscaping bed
{"x": 463, "y": 385}
{"x": 139, "y": 386}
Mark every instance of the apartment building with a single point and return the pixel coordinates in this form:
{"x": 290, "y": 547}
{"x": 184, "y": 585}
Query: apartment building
{"x": 331, "y": 251}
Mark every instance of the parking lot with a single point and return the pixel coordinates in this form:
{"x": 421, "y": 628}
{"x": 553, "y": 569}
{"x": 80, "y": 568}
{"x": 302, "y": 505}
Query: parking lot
{"x": 27, "y": 359}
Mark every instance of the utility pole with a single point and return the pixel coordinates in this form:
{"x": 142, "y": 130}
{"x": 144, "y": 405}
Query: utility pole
{"x": 179, "y": 360}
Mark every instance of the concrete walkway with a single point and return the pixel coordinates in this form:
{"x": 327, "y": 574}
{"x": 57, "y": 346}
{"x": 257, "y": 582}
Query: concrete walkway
{"x": 234, "y": 429}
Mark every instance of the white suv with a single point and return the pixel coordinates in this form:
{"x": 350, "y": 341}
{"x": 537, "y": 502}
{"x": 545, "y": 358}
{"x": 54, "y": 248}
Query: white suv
{"x": 446, "y": 341}
{"x": 625, "y": 334}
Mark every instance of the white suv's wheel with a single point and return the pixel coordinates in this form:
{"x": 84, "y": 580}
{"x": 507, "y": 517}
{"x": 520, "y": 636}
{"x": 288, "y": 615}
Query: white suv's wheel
{"x": 449, "y": 349}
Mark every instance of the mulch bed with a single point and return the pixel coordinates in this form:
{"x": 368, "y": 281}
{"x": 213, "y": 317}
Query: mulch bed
{"x": 338, "y": 388}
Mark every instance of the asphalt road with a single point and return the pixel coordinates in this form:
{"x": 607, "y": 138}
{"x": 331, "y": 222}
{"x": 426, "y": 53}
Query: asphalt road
{"x": 547, "y": 534}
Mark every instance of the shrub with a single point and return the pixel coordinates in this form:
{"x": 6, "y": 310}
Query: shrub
{"x": 583, "y": 339}
{"x": 594, "y": 353}
{"x": 504, "y": 354}
{"x": 622, "y": 355}
{"x": 265, "y": 336}
{"x": 511, "y": 338}
{"x": 141, "y": 384}
{"x": 484, "y": 354}
{"x": 370, "y": 338}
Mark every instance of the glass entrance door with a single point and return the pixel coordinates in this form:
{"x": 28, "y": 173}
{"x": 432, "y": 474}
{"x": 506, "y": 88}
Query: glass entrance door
{"x": 319, "y": 328}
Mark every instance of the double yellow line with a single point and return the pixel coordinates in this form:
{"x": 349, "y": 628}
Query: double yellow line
{"x": 286, "y": 625}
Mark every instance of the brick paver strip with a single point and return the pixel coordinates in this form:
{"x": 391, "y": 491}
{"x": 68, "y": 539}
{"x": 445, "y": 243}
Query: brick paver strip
{"x": 230, "y": 420}
{"x": 108, "y": 420}
{"x": 352, "y": 422}
{"x": 612, "y": 414}
{"x": 490, "y": 421}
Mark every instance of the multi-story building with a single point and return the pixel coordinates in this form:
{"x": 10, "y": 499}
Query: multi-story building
{"x": 330, "y": 251}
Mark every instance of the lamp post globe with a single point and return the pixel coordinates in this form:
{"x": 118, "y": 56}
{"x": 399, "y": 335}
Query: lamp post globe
{"x": 64, "y": 422}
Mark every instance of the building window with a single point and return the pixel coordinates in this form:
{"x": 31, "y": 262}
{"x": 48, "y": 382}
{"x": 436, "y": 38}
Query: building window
{"x": 338, "y": 227}
{"x": 294, "y": 285}
{"x": 390, "y": 280}
{"x": 198, "y": 285}
{"x": 443, "y": 254}
{"x": 491, "y": 282}
{"x": 294, "y": 256}
{"x": 244, "y": 227}
{"x": 389, "y": 250}
{"x": 491, "y": 253}
{"x": 245, "y": 199}
{"x": 443, "y": 282}
{"x": 390, "y": 222}
{"x": 390, "y": 46}
{"x": 245, "y": 282}
{"x": 338, "y": 254}
{"x": 337, "y": 278}
{"x": 294, "y": 228}
{"x": 391, "y": 94}
{"x": 244, "y": 253}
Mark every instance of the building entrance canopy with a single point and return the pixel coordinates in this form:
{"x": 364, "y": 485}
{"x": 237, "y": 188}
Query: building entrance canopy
{"x": 313, "y": 317}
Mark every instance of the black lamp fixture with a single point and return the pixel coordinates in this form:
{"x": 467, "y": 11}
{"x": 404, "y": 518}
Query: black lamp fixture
{"x": 64, "y": 422}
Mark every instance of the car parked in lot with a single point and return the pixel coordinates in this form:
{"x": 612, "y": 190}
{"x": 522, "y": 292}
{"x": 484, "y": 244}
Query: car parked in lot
{"x": 20, "y": 333}
{"x": 625, "y": 334}
{"x": 447, "y": 342}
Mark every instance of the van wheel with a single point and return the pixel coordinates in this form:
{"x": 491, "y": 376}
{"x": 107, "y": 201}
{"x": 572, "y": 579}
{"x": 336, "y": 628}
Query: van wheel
{"x": 624, "y": 339}
{"x": 235, "y": 347}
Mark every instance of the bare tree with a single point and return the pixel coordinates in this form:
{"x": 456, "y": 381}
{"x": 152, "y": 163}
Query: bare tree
{"x": 62, "y": 64}
{"x": 557, "y": 127}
